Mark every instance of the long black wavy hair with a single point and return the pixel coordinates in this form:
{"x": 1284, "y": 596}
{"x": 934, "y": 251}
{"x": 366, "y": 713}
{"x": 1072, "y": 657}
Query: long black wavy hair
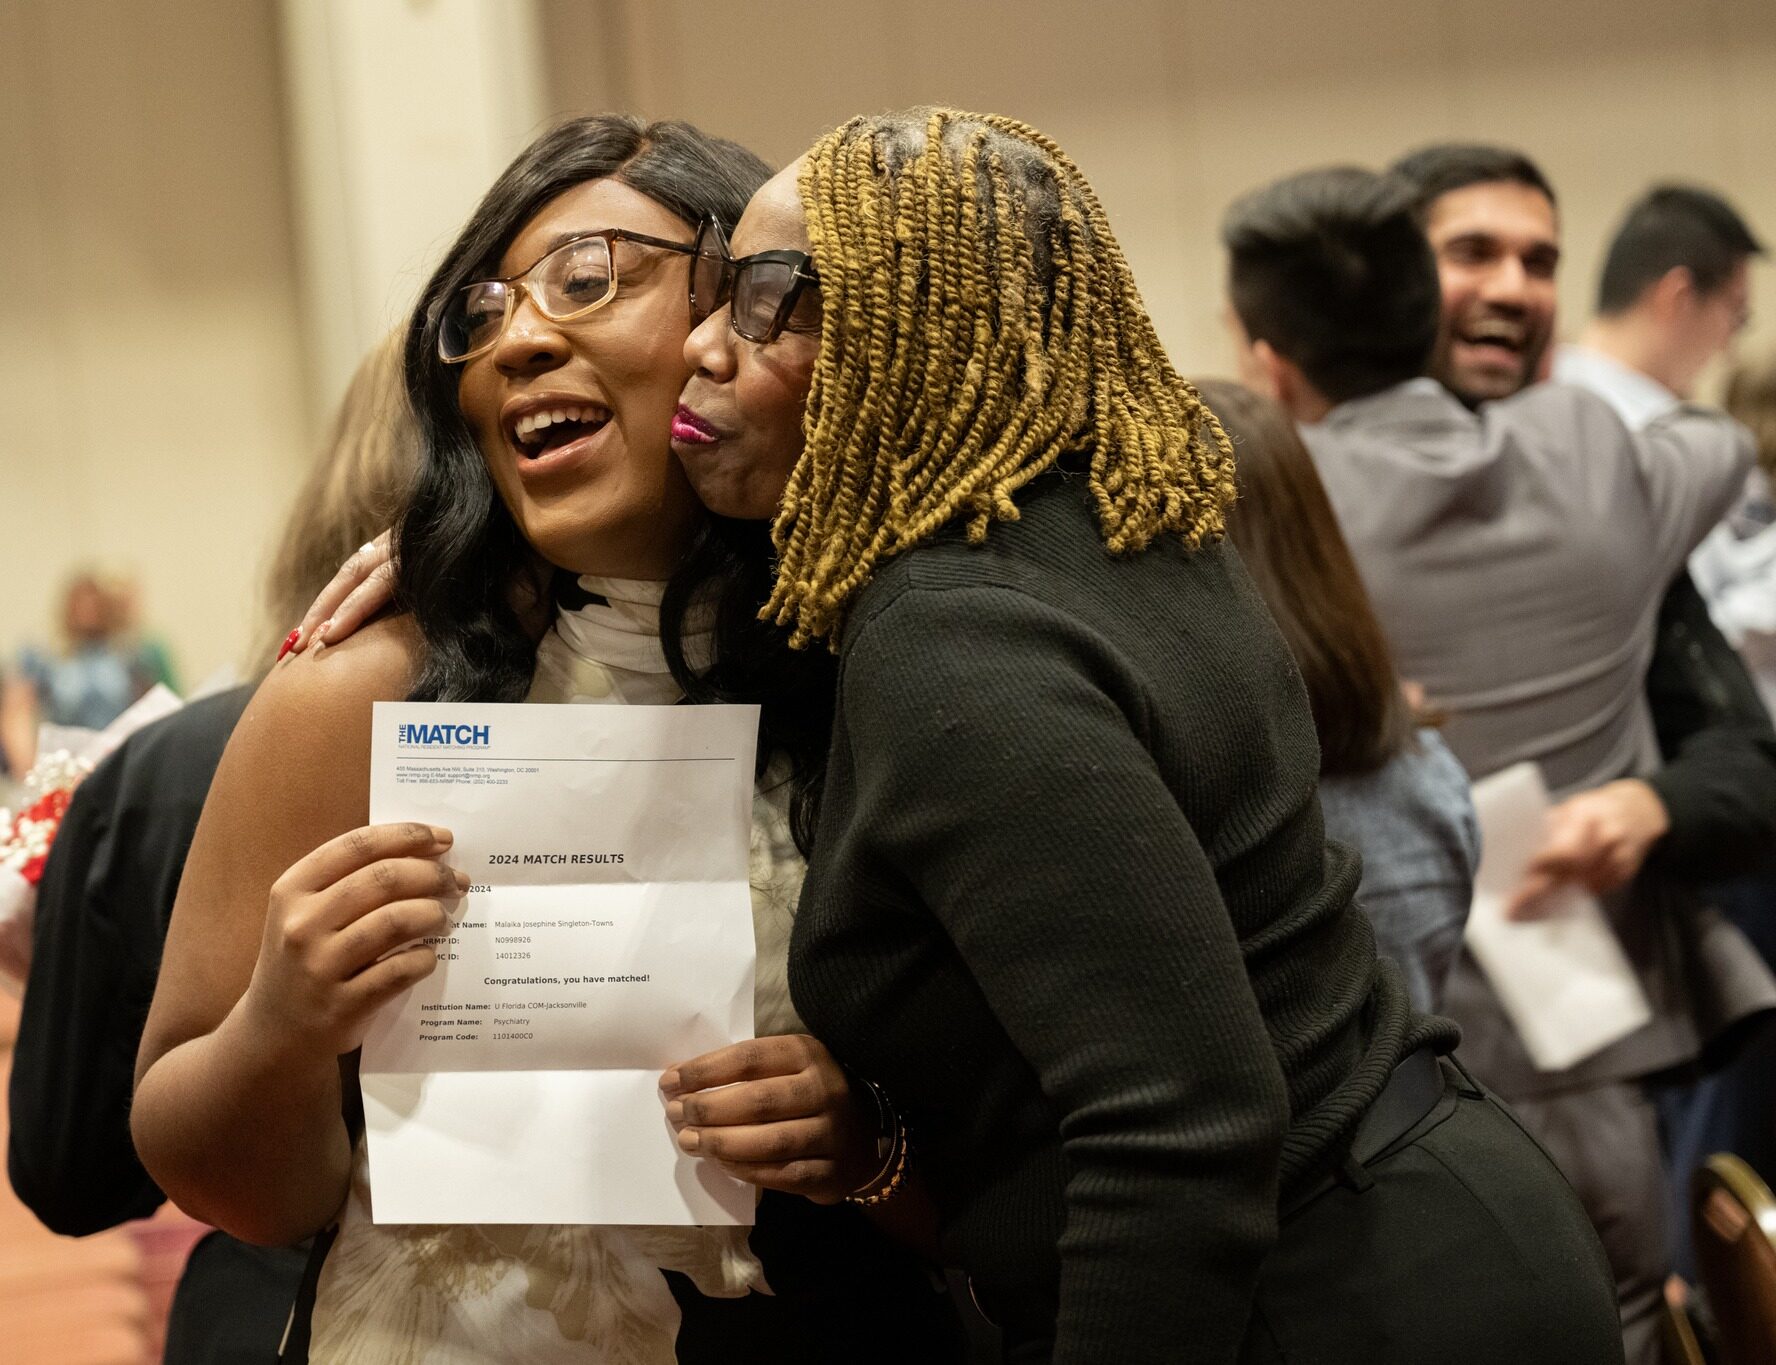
{"x": 732, "y": 565}
{"x": 463, "y": 565}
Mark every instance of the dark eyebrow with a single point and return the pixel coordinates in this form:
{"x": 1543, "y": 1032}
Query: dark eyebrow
{"x": 561, "y": 239}
{"x": 1477, "y": 237}
{"x": 1493, "y": 241}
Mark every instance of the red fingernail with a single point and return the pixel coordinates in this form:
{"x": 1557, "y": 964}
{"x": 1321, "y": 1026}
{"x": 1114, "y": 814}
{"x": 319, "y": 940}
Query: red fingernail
{"x": 289, "y": 644}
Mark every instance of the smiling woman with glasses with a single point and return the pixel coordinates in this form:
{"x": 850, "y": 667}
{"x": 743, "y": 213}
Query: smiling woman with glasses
{"x": 567, "y": 283}
{"x": 543, "y": 362}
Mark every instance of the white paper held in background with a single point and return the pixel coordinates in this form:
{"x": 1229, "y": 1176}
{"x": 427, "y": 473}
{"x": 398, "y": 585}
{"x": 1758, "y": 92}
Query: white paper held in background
{"x": 1563, "y": 979}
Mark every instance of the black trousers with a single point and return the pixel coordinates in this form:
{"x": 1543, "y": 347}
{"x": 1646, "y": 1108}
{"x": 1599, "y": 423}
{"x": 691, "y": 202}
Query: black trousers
{"x": 1730, "y": 1107}
{"x": 843, "y": 1294}
{"x": 1460, "y": 1244}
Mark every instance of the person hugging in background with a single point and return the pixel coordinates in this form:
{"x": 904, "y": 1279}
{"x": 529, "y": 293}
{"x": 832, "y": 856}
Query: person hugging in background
{"x": 1736, "y": 566}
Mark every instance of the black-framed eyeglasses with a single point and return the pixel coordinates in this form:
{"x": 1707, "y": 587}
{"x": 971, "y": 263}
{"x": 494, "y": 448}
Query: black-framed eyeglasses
{"x": 565, "y": 283}
{"x": 767, "y": 294}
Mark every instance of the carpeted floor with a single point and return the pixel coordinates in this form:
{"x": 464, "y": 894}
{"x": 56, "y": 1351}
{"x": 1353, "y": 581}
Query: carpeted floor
{"x": 97, "y": 1300}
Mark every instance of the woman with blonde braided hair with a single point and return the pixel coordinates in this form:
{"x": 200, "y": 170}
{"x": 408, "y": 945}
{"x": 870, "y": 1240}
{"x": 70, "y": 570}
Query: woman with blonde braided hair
{"x": 1009, "y": 334}
{"x": 1069, "y": 907}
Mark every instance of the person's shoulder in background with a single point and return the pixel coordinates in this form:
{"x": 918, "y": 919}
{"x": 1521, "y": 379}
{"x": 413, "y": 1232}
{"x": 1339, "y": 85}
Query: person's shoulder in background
{"x": 102, "y": 912}
{"x": 1413, "y": 822}
{"x": 34, "y": 664}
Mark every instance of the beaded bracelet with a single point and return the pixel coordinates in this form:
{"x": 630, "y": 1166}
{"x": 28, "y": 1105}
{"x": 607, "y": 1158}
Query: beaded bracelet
{"x": 891, "y": 1148}
{"x": 881, "y": 1193}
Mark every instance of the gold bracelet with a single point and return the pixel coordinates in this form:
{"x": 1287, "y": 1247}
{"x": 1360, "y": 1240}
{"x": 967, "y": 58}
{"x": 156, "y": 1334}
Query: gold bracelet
{"x": 879, "y": 1193}
{"x": 887, "y": 1152}
{"x": 891, "y": 1148}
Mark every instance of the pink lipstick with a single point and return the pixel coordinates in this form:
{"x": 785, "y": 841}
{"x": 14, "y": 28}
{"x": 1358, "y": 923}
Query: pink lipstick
{"x": 692, "y": 429}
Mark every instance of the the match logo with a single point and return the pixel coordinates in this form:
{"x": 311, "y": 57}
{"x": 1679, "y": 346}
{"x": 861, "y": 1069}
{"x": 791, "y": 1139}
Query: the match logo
{"x": 443, "y": 736}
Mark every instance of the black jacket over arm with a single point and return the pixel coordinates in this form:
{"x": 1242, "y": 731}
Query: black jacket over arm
{"x": 102, "y": 913}
{"x": 1719, "y": 779}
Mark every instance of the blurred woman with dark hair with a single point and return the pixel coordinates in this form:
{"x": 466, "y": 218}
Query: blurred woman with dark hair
{"x": 1735, "y": 567}
{"x": 1388, "y": 787}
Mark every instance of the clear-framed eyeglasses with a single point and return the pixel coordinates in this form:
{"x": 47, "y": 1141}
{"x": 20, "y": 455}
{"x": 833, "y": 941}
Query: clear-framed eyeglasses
{"x": 564, "y": 284}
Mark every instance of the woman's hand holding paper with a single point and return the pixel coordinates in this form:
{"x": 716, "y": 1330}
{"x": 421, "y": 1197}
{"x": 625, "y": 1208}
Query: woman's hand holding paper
{"x": 776, "y": 1112}
{"x": 345, "y": 931}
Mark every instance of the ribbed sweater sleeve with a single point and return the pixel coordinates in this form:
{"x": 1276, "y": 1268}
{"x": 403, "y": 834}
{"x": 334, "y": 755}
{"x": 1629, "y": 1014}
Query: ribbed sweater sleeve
{"x": 994, "y": 749}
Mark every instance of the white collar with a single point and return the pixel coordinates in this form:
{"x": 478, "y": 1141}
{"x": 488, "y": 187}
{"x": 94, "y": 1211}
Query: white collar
{"x": 1637, "y": 398}
{"x": 609, "y": 649}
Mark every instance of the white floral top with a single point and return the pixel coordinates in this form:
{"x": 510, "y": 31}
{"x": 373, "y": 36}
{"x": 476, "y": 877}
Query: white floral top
{"x": 465, "y": 1295}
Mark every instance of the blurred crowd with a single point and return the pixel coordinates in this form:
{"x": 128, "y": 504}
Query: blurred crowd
{"x": 102, "y": 663}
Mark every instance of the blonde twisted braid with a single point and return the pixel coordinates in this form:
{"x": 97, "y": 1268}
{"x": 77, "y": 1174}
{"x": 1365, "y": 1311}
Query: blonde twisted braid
{"x": 981, "y": 322}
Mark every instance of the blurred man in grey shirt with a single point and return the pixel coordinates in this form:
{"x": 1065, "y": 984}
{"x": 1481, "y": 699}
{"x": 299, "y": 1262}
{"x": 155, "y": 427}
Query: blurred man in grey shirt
{"x": 1520, "y": 586}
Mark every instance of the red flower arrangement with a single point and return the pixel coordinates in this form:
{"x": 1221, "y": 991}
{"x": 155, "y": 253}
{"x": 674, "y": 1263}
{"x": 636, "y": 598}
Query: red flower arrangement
{"x": 25, "y": 841}
{"x": 65, "y": 757}
{"x": 25, "y": 838}
{"x": 33, "y": 830}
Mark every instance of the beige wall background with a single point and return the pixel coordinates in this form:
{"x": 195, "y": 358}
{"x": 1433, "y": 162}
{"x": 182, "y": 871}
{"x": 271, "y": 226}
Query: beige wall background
{"x": 151, "y": 373}
{"x": 160, "y": 394}
{"x": 1175, "y": 107}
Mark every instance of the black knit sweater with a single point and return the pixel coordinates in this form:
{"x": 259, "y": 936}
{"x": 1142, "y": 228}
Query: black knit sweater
{"x": 1071, "y": 905}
